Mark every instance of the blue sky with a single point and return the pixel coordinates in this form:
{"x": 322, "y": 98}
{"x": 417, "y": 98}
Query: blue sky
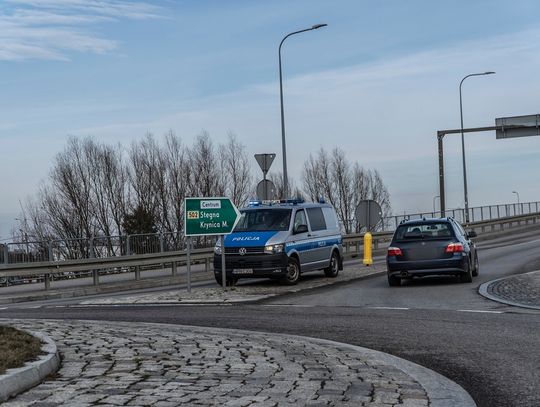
{"x": 379, "y": 81}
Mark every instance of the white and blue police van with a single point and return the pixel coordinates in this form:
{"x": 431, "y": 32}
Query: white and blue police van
{"x": 281, "y": 241}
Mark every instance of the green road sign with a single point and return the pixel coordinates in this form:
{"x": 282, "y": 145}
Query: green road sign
{"x": 209, "y": 216}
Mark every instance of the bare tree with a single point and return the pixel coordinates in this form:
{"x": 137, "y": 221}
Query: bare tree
{"x": 205, "y": 177}
{"x": 331, "y": 176}
{"x": 235, "y": 171}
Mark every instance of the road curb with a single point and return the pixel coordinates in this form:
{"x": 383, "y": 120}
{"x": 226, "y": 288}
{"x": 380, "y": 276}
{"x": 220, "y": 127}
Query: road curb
{"x": 255, "y": 298}
{"x": 483, "y": 291}
{"x": 18, "y": 380}
{"x": 442, "y": 392}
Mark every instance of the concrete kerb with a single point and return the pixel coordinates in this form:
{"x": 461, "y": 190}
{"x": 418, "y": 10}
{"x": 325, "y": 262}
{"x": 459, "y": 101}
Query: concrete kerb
{"x": 483, "y": 291}
{"x": 442, "y": 392}
{"x": 231, "y": 299}
{"x": 15, "y": 381}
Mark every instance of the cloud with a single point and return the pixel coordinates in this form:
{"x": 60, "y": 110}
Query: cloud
{"x": 49, "y": 29}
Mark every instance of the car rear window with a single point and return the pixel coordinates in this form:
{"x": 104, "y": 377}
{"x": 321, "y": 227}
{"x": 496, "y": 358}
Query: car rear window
{"x": 442, "y": 230}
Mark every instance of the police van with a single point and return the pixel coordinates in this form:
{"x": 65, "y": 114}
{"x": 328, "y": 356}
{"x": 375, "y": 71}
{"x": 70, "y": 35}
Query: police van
{"x": 280, "y": 241}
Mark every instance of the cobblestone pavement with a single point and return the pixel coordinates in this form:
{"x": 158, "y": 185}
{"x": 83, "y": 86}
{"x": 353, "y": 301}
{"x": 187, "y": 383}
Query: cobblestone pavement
{"x": 263, "y": 288}
{"x": 521, "y": 289}
{"x": 117, "y": 364}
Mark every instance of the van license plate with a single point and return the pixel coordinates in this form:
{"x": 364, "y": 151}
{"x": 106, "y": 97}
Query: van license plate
{"x": 242, "y": 271}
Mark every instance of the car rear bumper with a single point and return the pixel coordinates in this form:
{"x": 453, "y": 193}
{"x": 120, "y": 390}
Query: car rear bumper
{"x": 452, "y": 266}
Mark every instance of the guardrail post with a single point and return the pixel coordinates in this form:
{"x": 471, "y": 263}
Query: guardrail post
{"x": 95, "y": 277}
{"x": 50, "y": 251}
{"x": 47, "y": 279}
{"x": 137, "y": 272}
{"x": 174, "y": 267}
{"x": 91, "y": 253}
{"x": 6, "y": 254}
{"x": 207, "y": 264}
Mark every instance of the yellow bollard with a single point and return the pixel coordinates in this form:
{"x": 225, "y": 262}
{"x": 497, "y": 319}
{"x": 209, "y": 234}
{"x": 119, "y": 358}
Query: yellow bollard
{"x": 368, "y": 259}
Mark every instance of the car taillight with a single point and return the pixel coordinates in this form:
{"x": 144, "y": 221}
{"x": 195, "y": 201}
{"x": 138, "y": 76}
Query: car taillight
{"x": 394, "y": 251}
{"x": 454, "y": 248}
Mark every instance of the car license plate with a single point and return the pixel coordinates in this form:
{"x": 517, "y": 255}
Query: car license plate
{"x": 242, "y": 271}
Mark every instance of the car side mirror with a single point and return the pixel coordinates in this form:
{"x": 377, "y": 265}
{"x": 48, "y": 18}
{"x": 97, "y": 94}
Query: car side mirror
{"x": 471, "y": 234}
{"x": 300, "y": 229}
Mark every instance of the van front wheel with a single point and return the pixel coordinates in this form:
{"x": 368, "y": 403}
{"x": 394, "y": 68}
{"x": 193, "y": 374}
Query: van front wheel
{"x": 293, "y": 272}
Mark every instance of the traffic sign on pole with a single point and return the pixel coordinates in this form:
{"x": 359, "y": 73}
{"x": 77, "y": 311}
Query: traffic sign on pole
{"x": 368, "y": 213}
{"x": 209, "y": 216}
{"x": 265, "y": 161}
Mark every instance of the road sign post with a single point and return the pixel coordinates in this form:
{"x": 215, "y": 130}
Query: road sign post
{"x": 368, "y": 213}
{"x": 209, "y": 217}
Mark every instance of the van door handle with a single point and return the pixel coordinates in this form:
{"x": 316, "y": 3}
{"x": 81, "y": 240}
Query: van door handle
{"x": 309, "y": 235}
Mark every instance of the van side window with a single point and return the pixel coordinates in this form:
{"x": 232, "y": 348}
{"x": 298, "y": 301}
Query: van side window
{"x": 299, "y": 219}
{"x": 316, "y": 219}
{"x": 330, "y": 218}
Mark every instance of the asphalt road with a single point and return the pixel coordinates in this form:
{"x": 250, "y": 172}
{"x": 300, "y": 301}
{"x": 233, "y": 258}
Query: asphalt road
{"x": 491, "y": 349}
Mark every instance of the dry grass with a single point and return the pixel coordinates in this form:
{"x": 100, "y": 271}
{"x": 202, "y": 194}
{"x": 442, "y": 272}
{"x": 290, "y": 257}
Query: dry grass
{"x": 16, "y": 348}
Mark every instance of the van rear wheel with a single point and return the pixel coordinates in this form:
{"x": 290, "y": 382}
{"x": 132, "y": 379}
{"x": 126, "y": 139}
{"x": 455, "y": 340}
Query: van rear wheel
{"x": 333, "y": 269}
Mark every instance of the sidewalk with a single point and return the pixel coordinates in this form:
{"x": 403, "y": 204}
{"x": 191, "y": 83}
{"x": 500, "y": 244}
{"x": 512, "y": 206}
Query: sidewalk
{"x": 253, "y": 291}
{"x": 522, "y": 290}
{"x": 143, "y": 364}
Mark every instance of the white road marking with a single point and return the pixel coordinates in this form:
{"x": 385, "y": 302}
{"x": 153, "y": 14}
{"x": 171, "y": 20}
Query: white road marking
{"x": 3, "y": 308}
{"x": 480, "y": 311}
{"x": 398, "y": 308}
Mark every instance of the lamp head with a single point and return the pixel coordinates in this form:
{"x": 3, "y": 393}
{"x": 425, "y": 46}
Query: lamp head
{"x": 489, "y": 73}
{"x": 318, "y": 26}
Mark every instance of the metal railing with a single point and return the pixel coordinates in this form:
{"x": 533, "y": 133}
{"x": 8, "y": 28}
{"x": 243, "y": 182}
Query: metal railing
{"x": 102, "y": 247}
{"x": 476, "y": 214}
{"x": 352, "y": 246}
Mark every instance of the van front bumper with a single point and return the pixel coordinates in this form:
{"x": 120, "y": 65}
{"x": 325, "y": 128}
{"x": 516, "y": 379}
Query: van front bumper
{"x": 252, "y": 265}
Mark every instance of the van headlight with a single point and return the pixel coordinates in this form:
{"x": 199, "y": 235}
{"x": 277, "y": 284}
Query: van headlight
{"x": 273, "y": 248}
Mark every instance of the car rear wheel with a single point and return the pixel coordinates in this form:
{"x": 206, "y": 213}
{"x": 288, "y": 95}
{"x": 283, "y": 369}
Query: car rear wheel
{"x": 476, "y": 269}
{"x": 333, "y": 269}
{"x": 293, "y": 272}
{"x": 394, "y": 281}
{"x": 466, "y": 277}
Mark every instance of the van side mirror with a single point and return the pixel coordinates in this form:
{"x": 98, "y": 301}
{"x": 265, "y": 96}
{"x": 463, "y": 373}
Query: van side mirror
{"x": 300, "y": 229}
{"x": 471, "y": 234}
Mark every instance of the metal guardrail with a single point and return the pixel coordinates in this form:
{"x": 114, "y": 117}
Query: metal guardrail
{"x": 476, "y": 214}
{"x": 352, "y": 244}
{"x": 36, "y": 251}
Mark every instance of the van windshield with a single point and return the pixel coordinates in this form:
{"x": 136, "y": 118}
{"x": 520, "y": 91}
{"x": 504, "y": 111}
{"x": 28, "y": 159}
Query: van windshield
{"x": 264, "y": 220}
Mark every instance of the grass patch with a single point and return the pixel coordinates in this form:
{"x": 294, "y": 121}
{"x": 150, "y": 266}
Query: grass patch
{"x": 17, "y": 348}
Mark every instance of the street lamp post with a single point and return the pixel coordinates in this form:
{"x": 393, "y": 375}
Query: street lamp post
{"x": 434, "y": 199}
{"x": 463, "y": 142}
{"x": 517, "y": 193}
{"x": 284, "y": 150}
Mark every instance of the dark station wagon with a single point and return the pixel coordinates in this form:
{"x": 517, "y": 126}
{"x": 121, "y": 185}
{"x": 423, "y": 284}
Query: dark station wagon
{"x": 426, "y": 247}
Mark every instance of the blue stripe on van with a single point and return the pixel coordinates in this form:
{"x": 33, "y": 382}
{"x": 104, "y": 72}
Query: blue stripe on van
{"x": 310, "y": 245}
{"x": 248, "y": 239}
